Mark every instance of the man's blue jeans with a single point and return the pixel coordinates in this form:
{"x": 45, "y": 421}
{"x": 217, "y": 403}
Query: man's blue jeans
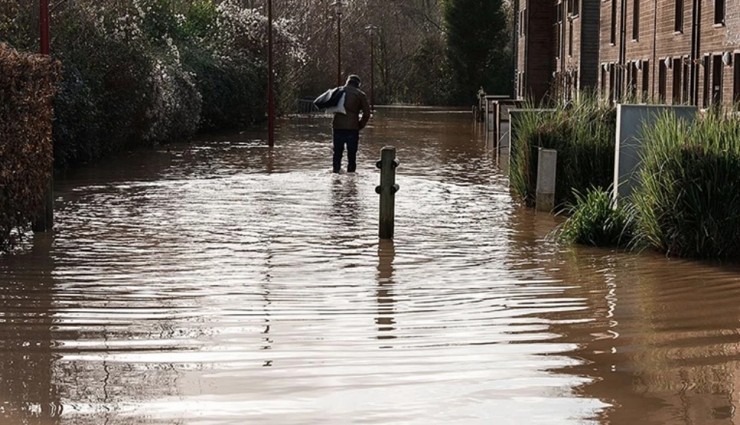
{"x": 351, "y": 138}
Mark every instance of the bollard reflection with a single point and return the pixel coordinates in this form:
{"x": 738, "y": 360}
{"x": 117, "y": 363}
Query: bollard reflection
{"x": 28, "y": 393}
{"x": 386, "y": 304}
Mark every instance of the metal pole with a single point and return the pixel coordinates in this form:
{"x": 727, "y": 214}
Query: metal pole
{"x": 371, "y": 29}
{"x": 387, "y": 191}
{"x": 339, "y": 43}
{"x": 270, "y": 81}
{"x": 372, "y": 72}
{"x": 44, "y": 26}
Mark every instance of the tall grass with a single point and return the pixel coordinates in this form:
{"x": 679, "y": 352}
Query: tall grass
{"x": 688, "y": 200}
{"x": 595, "y": 219}
{"x": 583, "y": 134}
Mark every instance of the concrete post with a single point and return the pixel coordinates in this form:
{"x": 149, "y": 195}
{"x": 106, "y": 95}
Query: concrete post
{"x": 387, "y": 191}
{"x": 547, "y": 161}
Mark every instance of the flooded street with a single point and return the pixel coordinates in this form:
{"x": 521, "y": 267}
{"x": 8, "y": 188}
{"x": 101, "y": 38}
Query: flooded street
{"x": 221, "y": 282}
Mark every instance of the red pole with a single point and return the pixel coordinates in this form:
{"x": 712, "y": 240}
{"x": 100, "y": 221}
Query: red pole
{"x": 270, "y": 90}
{"x": 44, "y": 26}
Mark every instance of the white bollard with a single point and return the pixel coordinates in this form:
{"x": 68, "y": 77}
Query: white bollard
{"x": 547, "y": 162}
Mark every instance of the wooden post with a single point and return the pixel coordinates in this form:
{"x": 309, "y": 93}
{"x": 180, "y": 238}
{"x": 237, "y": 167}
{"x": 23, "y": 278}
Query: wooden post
{"x": 387, "y": 191}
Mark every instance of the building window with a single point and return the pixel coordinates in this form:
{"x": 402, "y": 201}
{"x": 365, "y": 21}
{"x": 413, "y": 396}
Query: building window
{"x": 613, "y": 29}
{"x": 636, "y": 20}
{"x": 736, "y": 81}
{"x": 707, "y": 81}
{"x": 719, "y": 12}
{"x": 603, "y": 79}
{"x": 559, "y": 31}
{"x": 685, "y": 87}
{"x": 645, "y": 80}
{"x": 570, "y": 38}
{"x": 677, "y": 68}
{"x": 573, "y": 6}
{"x": 717, "y": 67}
{"x": 612, "y": 83}
{"x": 678, "y": 25}
{"x": 662, "y": 72}
{"x": 576, "y": 7}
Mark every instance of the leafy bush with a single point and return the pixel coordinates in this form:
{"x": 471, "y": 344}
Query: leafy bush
{"x": 233, "y": 94}
{"x": 152, "y": 71}
{"x": 27, "y": 84}
{"x": 583, "y": 135}
{"x": 688, "y": 200}
{"x": 595, "y": 219}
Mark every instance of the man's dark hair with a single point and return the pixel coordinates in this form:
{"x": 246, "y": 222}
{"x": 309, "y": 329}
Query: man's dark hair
{"x": 354, "y": 80}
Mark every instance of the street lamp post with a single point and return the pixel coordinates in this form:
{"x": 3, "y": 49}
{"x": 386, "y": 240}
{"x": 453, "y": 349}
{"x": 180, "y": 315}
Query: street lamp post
{"x": 371, "y": 29}
{"x": 270, "y": 81}
{"x": 338, "y": 9}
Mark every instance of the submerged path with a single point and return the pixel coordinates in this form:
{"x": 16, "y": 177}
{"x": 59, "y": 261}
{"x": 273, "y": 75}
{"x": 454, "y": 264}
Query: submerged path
{"x": 221, "y": 282}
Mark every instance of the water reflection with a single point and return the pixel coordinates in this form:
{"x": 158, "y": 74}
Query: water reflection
{"x": 346, "y": 206}
{"x": 29, "y": 393}
{"x": 223, "y": 282}
{"x": 663, "y": 345}
{"x": 386, "y": 304}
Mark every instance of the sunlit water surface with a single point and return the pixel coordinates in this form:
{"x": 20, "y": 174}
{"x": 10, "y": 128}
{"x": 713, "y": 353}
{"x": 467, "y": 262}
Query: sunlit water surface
{"x": 221, "y": 282}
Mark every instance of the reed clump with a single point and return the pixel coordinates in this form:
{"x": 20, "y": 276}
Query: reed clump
{"x": 583, "y": 133}
{"x": 595, "y": 219}
{"x": 688, "y": 199}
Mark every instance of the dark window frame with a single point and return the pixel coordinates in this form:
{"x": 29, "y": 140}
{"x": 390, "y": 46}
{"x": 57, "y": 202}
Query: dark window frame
{"x": 635, "y": 20}
{"x": 720, "y": 12}
{"x": 613, "y": 24}
{"x": 678, "y": 23}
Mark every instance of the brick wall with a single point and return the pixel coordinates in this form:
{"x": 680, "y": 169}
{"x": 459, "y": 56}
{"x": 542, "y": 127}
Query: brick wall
{"x": 586, "y": 46}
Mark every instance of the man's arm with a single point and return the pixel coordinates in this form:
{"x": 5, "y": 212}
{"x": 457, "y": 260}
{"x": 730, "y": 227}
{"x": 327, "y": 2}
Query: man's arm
{"x": 365, "y": 111}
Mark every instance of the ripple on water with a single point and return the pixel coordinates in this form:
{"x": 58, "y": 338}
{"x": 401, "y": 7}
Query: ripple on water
{"x": 239, "y": 284}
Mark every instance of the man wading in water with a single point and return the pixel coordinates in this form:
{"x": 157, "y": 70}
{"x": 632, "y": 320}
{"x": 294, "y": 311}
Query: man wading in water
{"x": 346, "y": 127}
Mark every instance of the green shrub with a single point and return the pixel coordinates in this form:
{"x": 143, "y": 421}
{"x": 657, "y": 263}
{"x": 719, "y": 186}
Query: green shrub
{"x": 688, "y": 199}
{"x": 583, "y": 134}
{"x": 595, "y": 219}
{"x": 152, "y": 71}
{"x": 27, "y": 84}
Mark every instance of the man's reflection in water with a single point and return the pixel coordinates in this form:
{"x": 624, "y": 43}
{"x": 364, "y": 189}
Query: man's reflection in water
{"x": 345, "y": 202}
{"x": 386, "y": 303}
{"x": 28, "y": 393}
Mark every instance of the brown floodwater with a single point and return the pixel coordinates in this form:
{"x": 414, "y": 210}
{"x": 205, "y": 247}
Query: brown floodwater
{"x": 222, "y": 282}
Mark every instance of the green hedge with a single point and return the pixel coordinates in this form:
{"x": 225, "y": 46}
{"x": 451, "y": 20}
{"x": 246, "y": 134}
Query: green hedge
{"x": 143, "y": 72}
{"x": 27, "y": 86}
{"x": 688, "y": 199}
{"x": 583, "y": 133}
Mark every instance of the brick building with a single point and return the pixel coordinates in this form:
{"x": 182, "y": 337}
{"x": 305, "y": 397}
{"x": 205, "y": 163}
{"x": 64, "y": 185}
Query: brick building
{"x": 557, "y": 45}
{"x": 668, "y": 51}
